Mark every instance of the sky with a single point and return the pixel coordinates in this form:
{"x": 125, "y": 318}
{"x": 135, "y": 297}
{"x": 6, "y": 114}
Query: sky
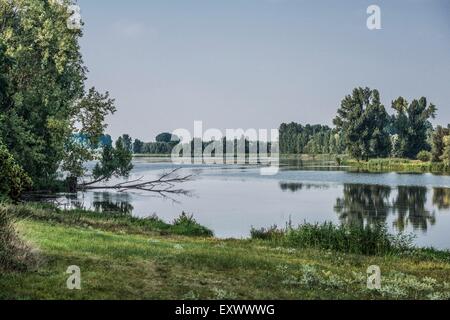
{"x": 257, "y": 63}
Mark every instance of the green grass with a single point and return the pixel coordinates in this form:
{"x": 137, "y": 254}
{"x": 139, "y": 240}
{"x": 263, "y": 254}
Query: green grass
{"x": 129, "y": 262}
{"x": 111, "y": 221}
{"x": 368, "y": 240}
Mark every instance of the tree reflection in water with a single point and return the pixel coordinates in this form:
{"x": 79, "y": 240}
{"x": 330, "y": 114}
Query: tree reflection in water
{"x": 410, "y": 208}
{"x": 363, "y": 204}
{"x": 441, "y": 198}
{"x": 370, "y": 204}
{"x": 112, "y": 202}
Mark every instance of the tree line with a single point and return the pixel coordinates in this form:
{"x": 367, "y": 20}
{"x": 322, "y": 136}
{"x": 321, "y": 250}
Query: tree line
{"x": 364, "y": 130}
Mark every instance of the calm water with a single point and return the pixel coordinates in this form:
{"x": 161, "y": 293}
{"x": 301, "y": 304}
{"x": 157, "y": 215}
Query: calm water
{"x": 232, "y": 199}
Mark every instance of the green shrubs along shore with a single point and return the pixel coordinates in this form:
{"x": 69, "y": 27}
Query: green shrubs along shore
{"x": 398, "y": 165}
{"x": 128, "y": 258}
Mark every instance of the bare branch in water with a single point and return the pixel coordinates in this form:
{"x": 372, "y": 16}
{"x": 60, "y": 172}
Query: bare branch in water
{"x": 164, "y": 186}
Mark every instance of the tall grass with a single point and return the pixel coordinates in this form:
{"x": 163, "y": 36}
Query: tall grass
{"x": 368, "y": 240}
{"x": 14, "y": 254}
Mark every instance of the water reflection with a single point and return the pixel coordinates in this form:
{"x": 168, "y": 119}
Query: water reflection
{"x": 410, "y": 208}
{"x": 102, "y": 202}
{"x": 295, "y": 186}
{"x": 363, "y": 204}
{"x": 370, "y": 204}
{"x": 441, "y": 198}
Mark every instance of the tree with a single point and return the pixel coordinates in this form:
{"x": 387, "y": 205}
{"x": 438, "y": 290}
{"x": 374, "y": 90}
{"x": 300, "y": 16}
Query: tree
{"x": 47, "y": 120}
{"x": 167, "y": 138}
{"x": 363, "y": 121}
{"x": 446, "y": 154}
{"x": 114, "y": 162}
{"x": 86, "y": 125}
{"x": 45, "y": 79}
{"x": 138, "y": 146}
{"x": 439, "y": 143}
{"x": 411, "y": 124}
{"x": 127, "y": 142}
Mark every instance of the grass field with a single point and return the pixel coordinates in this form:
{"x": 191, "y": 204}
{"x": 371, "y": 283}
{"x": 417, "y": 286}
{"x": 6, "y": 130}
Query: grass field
{"x": 138, "y": 261}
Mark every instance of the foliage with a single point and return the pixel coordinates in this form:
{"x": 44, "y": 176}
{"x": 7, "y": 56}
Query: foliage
{"x": 446, "y": 154}
{"x": 187, "y": 225}
{"x": 411, "y": 124}
{"x": 14, "y": 180}
{"x": 45, "y": 78}
{"x": 138, "y": 146}
{"x": 114, "y": 162}
{"x": 314, "y": 139}
{"x": 366, "y": 240}
{"x": 127, "y": 142}
{"x": 438, "y": 147}
{"x": 424, "y": 156}
{"x": 363, "y": 122}
{"x": 167, "y": 138}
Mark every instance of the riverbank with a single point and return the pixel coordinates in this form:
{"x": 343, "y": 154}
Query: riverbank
{"x": 398, "y": 165}
{"x": 135, "y": 259}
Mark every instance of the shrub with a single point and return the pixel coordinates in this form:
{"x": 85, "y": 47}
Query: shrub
{"x": 186, "y": 225}
{"x": 271, "y": 233}
{"x": 14, "y": 254}
{"x": 424, "y": 156}
{"x": 13, "y": 180}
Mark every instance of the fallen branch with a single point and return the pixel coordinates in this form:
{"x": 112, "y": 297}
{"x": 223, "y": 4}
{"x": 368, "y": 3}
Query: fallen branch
{"x": 165, "y": 185}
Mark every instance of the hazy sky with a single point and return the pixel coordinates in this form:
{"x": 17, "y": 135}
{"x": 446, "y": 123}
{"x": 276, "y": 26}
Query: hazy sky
{"x": 257, "y": 63}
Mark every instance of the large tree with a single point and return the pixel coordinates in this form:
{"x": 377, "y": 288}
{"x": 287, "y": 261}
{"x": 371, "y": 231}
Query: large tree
{"x": 411, "y": 124}
{"x": 47, "y": 119}
{"x": 45, "y": 80}
{"x": 363, "y": 123}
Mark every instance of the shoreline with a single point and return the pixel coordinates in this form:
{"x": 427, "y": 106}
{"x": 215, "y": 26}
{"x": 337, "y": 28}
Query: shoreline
{"x": 121, "y": 258}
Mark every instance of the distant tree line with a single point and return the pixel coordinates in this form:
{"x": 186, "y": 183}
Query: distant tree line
{"x": 310, "y": 139}
{"x": 364, "y": 130}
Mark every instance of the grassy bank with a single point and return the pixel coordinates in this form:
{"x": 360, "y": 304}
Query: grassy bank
{"x": 134, "y": 260}
{"x": 399, "y": 165}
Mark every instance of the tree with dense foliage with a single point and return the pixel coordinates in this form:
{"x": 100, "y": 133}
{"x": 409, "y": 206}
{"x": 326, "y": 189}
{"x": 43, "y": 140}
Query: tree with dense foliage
{"x": 127, "y": 142}
{"x": 138, "y": 146}
{"x": 313, "y": 139}
{"x": 167, "y": 138}
{"x": 363, "y": 122}
{"x": 438, "y": 146}
{"x": 446, "y": 153}
{"x": 45, "y": 80}
{"x": 47, "y": 120}
{"x": 13, "y": 180}
{"x": 411, "y": 124}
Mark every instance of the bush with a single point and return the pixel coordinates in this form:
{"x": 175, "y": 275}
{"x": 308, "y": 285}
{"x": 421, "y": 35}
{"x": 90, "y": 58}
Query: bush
{"x": 272, "y": 233}
{"x": 369, "y": 240}
{"x": 13, "y": 180}
{"x": 424, "y": 156}
{"x": 14, "y": 254}
{"x": 186, "y": 225}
